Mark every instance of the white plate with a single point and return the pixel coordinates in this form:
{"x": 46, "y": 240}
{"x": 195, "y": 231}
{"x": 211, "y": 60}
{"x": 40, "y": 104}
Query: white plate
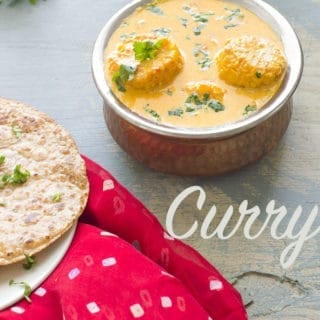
{"x": 47, "y": 260}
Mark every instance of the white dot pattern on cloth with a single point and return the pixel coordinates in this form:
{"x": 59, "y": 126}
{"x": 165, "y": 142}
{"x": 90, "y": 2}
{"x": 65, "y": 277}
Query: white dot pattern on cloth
{"x": 136, "y": 310}
{"x": 215, "y": 285}
{"x": 107, "y": 185}
{"x": 166, "y": 302}
{"x": 40, "y": 292}
{"x": 73, "y": 273}
{"x": 18, "y": 310}
{"x": 108, "y": 262}
{"x": 93, "y": 307}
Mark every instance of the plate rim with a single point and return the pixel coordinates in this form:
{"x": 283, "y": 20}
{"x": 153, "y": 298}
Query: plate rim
{"x": 59, "y": 249}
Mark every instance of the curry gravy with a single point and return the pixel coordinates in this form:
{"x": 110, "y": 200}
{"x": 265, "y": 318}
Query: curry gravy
{"x": 200, "y": 29}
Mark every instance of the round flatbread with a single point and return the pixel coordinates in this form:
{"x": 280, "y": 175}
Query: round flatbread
{"x": 43, "y": 182}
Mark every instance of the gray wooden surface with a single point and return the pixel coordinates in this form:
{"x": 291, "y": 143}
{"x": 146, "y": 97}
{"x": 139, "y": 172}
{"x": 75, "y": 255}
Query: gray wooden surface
{"x": 45, "y": 53}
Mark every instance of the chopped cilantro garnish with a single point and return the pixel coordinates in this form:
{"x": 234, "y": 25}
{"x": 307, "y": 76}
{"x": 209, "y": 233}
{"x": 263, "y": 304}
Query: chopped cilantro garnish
{"x": 201, "y": 18}
{"x": 123, "y": 36}
{"x": 152, "y": 112}
{"x": 2, "y": 159}
{"x": 184, "y": 22}
{"x": 216, "y": 105}
{"x": 234, "y": 13}
{"x": 57, "y": 197}
{"x": 161, "y": 31}
{"x": 17, "y": 177}
{"x": 154, "y": 9}
{"x": 204, "y": 60}
{"x": 26, "y": 288}
{"x": 197, "y": 31}
{"x": 204, "y": 63}
{"x": 16, "y": 131}
{"x": 124, "y": 24}
{"x": 146, "y": 50}
{"x": 194, "y": 103}
{"x": 124, "y": 74}
{"x": 193, "y": 99}
{"x": 178, "y": 112}
{"x": 198, "y": 51}
{"x": 169, "y": 92}
{"x": 230, "y": 25}
{"x": 190, "y": 109}
{"x": 198, "y": 16}
{"x": 30, "y": 262}
{"x": 249, "y": 108}
{"x": 258, "y": 74}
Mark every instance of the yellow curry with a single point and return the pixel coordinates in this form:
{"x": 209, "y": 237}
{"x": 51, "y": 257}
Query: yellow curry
{"x": 194, "y": 63}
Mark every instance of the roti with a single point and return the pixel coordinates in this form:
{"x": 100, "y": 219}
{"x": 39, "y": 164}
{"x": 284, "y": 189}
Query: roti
{"x": 43, "y": 182}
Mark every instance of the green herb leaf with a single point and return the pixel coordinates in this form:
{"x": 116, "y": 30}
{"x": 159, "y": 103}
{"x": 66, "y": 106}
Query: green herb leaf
{"x": 178, "y": 112}
{"x": 57, "y": 197}
{"x": 13, "y": 2}
{"x": 16, "y": 131}
{"x": 154, "y": 9}
{"x": 205, "y": 63}
{"x": 152, "y": 112}
{"x": 146, "y": 50}
{"x": 190, "y": 109}
{"x": 161, "y": 31}
{"x": 2, "y": 159}
{"x": 230, "y": 25}
{"x": 197, "y": 31}
{"x": 201, "y": 18}
{"x": 169, "y": 92}
{"x": 17, "y": 177}
{"x": 124, "y": 74}
{"x": 234, "y": 14}
{"x": 194, "y": 102}
{"x": 249, "y": 108}
{"x": 26, "y": 288}
{"x": 30, "y": 262}
{"x": 258, "y": 75}
{"x": 216, "y": 105}
{"x": 184, "y": 21}
{"x": 204, "y": 60}
{"x": 193, "y": 99}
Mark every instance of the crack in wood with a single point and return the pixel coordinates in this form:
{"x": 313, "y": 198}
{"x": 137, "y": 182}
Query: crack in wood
{"x": 281, "y": 279}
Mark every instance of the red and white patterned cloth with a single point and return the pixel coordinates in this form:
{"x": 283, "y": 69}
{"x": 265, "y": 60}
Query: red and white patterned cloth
{"x": 103, "y": 276}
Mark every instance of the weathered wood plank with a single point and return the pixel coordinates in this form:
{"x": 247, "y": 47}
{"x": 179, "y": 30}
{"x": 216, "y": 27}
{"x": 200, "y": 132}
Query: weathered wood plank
{"x": 45, "y": 53}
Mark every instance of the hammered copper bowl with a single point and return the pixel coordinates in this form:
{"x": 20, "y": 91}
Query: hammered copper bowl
{"x": 203, "y": 151}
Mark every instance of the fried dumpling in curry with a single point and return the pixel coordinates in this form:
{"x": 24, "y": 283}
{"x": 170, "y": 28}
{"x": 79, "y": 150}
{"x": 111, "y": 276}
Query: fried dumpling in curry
{"x": 250, "y": 62}
{"x": 151, "y": 61}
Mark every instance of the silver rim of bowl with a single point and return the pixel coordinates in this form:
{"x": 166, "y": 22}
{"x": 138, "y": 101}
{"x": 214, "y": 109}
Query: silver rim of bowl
{"x": 278, "y": 23}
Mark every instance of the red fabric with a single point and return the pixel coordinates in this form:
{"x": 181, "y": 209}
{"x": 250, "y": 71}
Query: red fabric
{"x": 103, "y": 276}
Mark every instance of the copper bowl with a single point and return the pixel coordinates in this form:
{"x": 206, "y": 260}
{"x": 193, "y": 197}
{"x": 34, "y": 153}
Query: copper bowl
{"x": 203, "y": 151}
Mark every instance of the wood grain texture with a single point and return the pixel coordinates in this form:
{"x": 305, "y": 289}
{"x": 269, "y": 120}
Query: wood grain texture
{"x": 45, "y": 53}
